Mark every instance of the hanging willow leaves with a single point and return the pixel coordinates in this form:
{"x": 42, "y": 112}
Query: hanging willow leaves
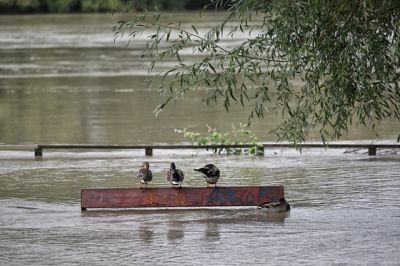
{"x": 322, "y": 64}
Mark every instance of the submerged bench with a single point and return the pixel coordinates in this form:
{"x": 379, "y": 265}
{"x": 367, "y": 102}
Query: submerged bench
{"x": 179, "y": 197}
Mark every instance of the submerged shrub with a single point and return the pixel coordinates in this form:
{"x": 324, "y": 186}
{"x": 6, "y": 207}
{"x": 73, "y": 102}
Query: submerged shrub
{"x": 237, "y": 136}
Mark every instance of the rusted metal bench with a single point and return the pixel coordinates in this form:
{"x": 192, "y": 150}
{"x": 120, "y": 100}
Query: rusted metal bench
{"x": 179, "y": 197}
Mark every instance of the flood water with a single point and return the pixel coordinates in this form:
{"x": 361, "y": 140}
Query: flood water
{"x": 63, "y": 80}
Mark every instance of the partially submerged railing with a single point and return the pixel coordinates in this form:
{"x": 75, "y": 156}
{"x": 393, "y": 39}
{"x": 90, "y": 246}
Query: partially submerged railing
{"x": 149, "y": 148}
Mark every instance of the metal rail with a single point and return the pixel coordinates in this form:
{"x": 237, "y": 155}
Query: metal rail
{"x": 149, "y": 148}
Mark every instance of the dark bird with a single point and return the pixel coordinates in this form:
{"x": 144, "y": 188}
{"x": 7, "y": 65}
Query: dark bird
{"x": 145, "y": 175}
{"x": 276, "y": 206}
{"x": 210, "y": 173}
{"x": 175, "y": 176}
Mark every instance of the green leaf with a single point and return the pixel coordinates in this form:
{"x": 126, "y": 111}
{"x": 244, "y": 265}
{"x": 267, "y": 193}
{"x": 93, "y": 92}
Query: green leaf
{"x": 195, "y": 30}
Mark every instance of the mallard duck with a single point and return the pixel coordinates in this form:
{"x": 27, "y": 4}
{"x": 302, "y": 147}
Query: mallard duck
{"x": 174, "y": 176}
{"x": 145, "y": 175}
{"x": 210, "y": 173}
{"x": 276, "y": 206}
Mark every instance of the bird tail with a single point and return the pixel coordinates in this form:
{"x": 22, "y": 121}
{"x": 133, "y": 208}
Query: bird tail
{"x": 198, "y": 170}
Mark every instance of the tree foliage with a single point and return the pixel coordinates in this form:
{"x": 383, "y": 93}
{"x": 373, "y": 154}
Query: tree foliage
{"x": 321, "y": 64}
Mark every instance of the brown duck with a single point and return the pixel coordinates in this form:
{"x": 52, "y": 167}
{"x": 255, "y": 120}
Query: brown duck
{"x": 276, "y": 206}
{"x": 175, "y": 176}
{"x": 145, "y": 175}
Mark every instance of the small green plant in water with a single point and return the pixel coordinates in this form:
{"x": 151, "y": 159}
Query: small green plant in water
{"x": 237, "y": 136}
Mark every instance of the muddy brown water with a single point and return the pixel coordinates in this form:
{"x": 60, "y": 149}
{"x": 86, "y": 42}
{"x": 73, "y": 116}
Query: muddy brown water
{"x": 63, "y": 80}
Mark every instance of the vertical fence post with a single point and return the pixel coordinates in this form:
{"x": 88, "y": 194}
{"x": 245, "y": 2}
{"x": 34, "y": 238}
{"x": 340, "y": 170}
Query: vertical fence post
{"x": 148, "y": 151}
{"x": 38, "y": 151}
{"x": 371, "y": 151}
{"x": 261, "y": 150}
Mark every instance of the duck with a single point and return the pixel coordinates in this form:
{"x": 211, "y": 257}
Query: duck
{"x": 174, "y": 176}
{"x": 145, "y": 175}
{"x": 210, "y": 173}
{"x": 276, "y": 206}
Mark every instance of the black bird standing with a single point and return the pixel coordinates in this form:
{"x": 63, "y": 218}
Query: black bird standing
{"x": 175, "y": 176}
{"x": 210, "y": 173}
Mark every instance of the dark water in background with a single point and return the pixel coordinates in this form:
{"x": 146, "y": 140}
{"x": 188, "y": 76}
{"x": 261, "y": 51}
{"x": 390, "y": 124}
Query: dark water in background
{"x": 63, "y": 80}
